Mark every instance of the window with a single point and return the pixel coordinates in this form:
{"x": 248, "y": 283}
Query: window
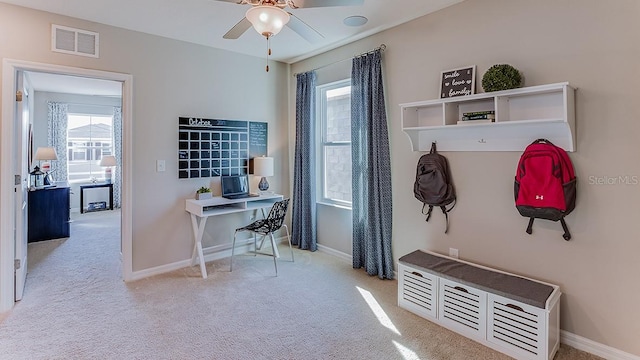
{"x": 334, "y": 119}
{"x": 89, "y": 138}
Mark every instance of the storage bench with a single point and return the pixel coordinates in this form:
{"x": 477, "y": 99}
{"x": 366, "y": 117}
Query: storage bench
{"x": 509, "y": 313}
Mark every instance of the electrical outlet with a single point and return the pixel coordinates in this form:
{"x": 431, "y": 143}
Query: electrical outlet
{"x": 453, "y": 253}
{"x": 160, "y": 166}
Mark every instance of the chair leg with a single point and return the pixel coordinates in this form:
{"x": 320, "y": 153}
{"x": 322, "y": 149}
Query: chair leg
{"x": 255, "y": 245}
{"x": 289, "y": 238}
{"x": 233, "y": 248}
{"x": 274, "y": 250}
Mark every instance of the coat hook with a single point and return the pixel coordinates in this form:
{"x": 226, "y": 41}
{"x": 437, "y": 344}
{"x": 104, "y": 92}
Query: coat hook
{"x": 482, "y": 141}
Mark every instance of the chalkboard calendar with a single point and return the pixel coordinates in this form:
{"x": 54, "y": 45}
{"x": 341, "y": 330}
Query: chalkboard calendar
{"x": 215, "y": 147}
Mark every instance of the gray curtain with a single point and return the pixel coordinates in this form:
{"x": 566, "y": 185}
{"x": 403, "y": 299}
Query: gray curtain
{"x": 372, "y": 212}
{"x": 304, "y": 177}
{"x": 57, "y": 120}
{"x": 117, "y": 152}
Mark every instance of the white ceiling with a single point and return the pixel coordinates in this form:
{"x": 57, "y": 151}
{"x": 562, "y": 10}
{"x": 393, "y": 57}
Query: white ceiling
{"x": 206, "y": 21}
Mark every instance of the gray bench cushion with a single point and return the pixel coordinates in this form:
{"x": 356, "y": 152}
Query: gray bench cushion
{"x": 509, "y": 286}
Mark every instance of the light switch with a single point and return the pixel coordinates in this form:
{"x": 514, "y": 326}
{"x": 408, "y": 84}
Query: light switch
{"x": 160, "y": 166}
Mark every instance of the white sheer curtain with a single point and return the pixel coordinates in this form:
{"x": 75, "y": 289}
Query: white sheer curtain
{"x": 57, "y": 137}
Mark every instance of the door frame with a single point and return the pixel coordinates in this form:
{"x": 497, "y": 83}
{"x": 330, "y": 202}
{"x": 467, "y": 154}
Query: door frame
{"x": 10, "y": 69}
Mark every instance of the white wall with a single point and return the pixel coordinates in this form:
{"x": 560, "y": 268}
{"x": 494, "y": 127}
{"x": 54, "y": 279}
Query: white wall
{"x": 170, "y": 79}
{"x": 593, "y": 45}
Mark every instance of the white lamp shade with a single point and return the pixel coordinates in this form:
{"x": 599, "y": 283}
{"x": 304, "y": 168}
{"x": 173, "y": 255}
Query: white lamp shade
{"x": 108, "y": 160}
{"x": 45, "y": 153}
{"x": 267, "y": 20}
{"x": 263, "y": 166}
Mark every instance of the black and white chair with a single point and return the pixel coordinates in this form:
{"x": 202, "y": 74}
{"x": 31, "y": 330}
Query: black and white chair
{"x": 266, "y": 227}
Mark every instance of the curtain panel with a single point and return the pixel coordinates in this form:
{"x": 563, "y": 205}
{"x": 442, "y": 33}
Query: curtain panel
{"x": 117, "y": 152}
{"x": 304, "y": 178}
{"x": 371, "y": 167}
{"x": 57, "y": 120}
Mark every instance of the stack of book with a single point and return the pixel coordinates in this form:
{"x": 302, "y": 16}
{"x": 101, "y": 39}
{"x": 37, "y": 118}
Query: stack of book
{"x": 478, "y": 117}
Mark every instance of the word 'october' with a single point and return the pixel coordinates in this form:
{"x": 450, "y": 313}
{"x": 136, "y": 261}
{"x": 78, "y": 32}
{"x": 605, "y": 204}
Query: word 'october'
{"x": 199, "y": 122}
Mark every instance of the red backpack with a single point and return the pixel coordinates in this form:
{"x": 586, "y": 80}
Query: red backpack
{"x": 545, "y": 184}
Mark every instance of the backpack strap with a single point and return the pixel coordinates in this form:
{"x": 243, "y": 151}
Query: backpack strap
{"x": 446, "y": 216}
{"x": 529, "y": 230}
{"x": 567, "y": 234}
{"x": 428, "y": 212}
{"x": 433, "y": 148}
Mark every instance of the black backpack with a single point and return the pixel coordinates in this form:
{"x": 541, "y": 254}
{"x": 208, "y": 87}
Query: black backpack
{"x": 433, "y": 186}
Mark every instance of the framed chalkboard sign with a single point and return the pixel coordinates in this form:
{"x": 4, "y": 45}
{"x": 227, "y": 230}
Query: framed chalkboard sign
{"x": 458, "y": 82}
{"x": 218, "y": 147}
{"x": 258, "y": 135}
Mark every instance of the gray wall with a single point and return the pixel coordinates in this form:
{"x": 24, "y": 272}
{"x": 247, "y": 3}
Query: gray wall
{"x": 593, "y": 45}
{"x": 170, "y": 79}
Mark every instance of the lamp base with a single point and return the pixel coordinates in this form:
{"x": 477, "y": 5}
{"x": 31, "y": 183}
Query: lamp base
{"x": 263, "y": 185}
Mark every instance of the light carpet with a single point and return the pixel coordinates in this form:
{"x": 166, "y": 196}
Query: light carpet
{"x": 76, "y": 306}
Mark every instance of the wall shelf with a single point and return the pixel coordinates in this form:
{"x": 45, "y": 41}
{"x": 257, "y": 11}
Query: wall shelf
{"x": 521, "y": 116}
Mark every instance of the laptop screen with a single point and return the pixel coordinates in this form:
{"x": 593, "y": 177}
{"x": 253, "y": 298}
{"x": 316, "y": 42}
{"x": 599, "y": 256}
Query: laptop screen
{"x": 235, "y": 185}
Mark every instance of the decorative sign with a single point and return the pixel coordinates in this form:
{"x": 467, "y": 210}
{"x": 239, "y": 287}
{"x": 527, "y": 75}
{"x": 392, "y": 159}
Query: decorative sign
{"x": 258, "y": 135}
{"x": 458, "y": 82}
{"x": 214, "y": 147}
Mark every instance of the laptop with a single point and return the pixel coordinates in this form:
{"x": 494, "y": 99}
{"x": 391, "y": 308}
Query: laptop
{"x": 235, "y": 187}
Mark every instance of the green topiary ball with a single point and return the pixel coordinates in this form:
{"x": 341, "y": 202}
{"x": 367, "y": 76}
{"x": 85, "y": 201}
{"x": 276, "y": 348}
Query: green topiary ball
{"x": 501, "y": 77}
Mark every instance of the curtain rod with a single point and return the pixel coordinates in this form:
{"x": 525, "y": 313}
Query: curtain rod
{"x": 382, "y": 48}
{"x": 83, "y": 104}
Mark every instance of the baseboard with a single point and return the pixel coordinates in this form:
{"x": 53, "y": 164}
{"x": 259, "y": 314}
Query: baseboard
{"x": 594, "y": 348}
{"x": 339, "y": 254}
{"x": 212, "y": 253}
{"x": 141, "y": 274}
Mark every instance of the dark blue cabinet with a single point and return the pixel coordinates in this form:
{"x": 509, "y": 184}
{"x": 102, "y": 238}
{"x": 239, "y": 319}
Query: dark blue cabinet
{"x": 48, "y": 214}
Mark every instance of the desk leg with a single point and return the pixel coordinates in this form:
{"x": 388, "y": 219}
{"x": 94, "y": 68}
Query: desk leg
{"x": 111, "y": 197}
{"x": 198, "y": 232}
{"x": 81, "y": 200}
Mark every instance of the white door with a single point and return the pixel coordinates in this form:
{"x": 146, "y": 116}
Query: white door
{"x": 21, "y": 172}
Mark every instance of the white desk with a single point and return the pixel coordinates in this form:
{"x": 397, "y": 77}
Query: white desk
{"x": 201, "y": 210}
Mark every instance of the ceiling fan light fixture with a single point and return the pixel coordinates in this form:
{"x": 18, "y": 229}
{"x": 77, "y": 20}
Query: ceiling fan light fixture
{"x": 267, "y": 20}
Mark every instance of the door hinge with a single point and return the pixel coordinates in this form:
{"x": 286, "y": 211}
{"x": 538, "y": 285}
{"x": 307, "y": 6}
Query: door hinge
{"x": 17, "y": 180}
{"x": 16, "y": 264}
{"x": 18, "y": 96}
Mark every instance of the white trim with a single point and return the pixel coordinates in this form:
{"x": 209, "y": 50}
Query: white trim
{"x": 212, "y": 253}
{"x": 594, "y": 348}
{"x": 339, "y": 254}
{"x": 10, "y": 68}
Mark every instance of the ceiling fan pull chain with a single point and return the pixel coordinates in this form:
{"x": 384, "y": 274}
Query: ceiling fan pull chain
{"x": 268, "y": 51}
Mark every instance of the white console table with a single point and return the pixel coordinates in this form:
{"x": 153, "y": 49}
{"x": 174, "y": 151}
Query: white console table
{"x": 201, "y": 210}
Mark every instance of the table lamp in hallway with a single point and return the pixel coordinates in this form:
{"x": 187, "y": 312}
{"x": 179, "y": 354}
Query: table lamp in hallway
{"x": 107, "y": 162}
{"x": 46, "y": 154}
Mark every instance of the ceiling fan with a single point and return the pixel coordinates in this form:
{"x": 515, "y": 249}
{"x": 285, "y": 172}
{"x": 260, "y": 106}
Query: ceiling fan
{"x": 268, "y": 17}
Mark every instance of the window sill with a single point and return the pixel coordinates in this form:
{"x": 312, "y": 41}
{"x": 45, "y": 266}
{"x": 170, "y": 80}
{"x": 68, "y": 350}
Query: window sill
{"x": 343, "y": 207}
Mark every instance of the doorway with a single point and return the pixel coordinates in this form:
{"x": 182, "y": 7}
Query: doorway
{"x": 9, "y": 157}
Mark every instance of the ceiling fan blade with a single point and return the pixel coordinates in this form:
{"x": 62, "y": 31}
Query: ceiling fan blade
{"x": 238, "y": 29}
{"x": 303, "y": 29}
{"x": 324, "y": 3}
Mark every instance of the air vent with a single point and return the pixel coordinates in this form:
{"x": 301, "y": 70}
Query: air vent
{"x": 74, "y": 41}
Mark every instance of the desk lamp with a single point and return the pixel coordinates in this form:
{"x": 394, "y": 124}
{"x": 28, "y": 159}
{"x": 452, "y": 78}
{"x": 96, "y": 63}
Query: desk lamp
{"x": 263, "y": 166}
